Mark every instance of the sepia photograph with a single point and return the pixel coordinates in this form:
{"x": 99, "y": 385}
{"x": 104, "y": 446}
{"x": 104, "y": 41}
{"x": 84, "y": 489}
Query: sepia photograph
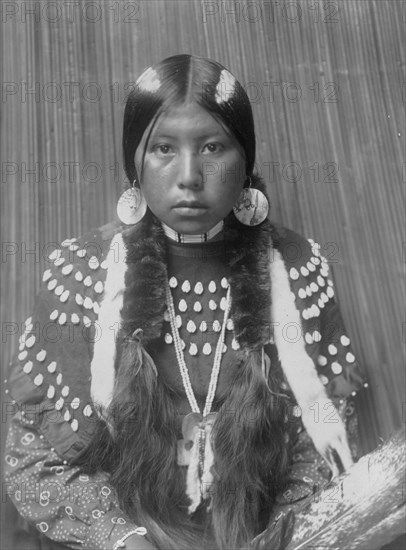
{"x": 203, "y": 255}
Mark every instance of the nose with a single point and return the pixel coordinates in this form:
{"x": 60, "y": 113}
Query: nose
{"x": 190, "y": 171}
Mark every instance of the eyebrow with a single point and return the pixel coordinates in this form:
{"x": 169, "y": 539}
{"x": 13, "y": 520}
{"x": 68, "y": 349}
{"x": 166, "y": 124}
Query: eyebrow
{"x": 166, "y": 135}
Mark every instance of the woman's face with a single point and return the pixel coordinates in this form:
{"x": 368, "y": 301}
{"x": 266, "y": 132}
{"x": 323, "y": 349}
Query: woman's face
{"x": 193, "y": 170}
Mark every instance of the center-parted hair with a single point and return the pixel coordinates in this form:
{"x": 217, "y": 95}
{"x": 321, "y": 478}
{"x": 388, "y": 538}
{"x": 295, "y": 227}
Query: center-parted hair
{"x": 180, "y": 80}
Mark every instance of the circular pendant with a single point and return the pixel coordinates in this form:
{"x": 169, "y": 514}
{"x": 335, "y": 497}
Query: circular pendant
{"x": 252, "y": 207}
{"x": 131, "y": 206}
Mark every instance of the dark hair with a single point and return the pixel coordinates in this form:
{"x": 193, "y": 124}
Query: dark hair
{"x": 179, "y": 80}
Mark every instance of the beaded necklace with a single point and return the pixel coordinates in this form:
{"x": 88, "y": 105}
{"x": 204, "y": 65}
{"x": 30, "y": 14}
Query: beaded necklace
{"x": 181, "y": 359}
{"x": 203, "y": 238}
{"x": 197, "y": 427}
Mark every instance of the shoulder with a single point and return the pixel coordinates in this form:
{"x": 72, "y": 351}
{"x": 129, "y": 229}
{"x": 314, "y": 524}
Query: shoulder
{"x": 52, "y": 366}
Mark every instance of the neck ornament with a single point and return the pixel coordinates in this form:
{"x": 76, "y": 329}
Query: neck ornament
{"x": 202, "y": 238}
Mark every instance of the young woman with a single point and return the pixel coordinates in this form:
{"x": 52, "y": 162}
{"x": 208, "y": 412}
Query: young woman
{"x": 184, "y": 373}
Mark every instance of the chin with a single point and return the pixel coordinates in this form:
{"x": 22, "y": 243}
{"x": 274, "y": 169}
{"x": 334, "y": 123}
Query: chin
{"x": 190, "y": 227}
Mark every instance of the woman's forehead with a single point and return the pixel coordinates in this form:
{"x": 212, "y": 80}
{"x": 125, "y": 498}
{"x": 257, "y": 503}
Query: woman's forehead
{"x": 190, "y": 117}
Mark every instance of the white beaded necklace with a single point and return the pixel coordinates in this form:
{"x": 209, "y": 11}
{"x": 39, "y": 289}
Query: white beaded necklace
{"x": 181, "y": 359}
{"x": 203, "y": 238}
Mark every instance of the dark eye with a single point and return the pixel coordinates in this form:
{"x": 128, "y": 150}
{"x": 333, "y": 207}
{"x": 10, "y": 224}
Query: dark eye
{"x": 212, "y": 147}
{"x": 163, "y": 149}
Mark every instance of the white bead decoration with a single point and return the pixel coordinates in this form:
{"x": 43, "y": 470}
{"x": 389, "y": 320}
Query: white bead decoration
{"x": 67, "y": 269}
{"x": 216, "y": 326}
{"x": 65, "y": 391}
{"x": 67, "y": 416}
{"x": 88, "y": 303}
{"x": 350, "y": 357}
{"x": 166, "y": 315}
{"x": 316, "y": 336}
{"x": 203, "y": 326}
{"x": 193, "y": 349}
{"x": 27, "y": 368}
{"x": 223, "y": 303}
{"x": 186, "y": 286}
{"x": 79, "y": 276}
{"x": 207, "y": 348}
{"x": 74, "y": 425}
{"x": 197, "y": 306}
{"x": 178, "y": 321}
{"x": 330, "y": 292}
{"x": 321, "y": 281}
{"x": 64, "y": 296}
{"x": 86, "y": 321}
{"x": 54, "y": 315}
{"x": 182, "y": 305}
{"x": 59, "y": 290}
{"x": 309, "y": 291}
{"x": 212, "y": 287}
{"x": 98, "y": 287}
{"x": 230, "y": 324}
{"x": 73, "y": 247}
{"x": 41, "y": 355}
{"x": 212, "y": 305}
{"x": 88, "y": 281}
{"x": 81, "y": 253}
{"x": 322, "y": 360}
{"x": 59, "y": 379}
{"x": 224, "y": 283}
{"x": 59, "y": 262}
{"x": 59, "y": 403}
{"x": 181, "y": 360}
{"x": 87, "y": 411}
{"x": 302, "y": 293}
{"x": 52, "y": 367}
{"x": 308, "y": 338}
{"x": 51, "y": 392}
{"x": 168, "y": 338}
{"x": 38, "y": 379}
{"x": 304, "y": 271}
{"x": 52, "y": 284}
{"x": 332, "y": 349}
{"x": 47, "y": 275}
{"x": 62, "y": 318}
{"x": 191, "y": 327}
{"x": 30, "y": 341}
{"x": 55, "y": 254}
{"x": 173, "y": 283}
{"x": 104, "y": 264}
{"x": 198, "y": 288}
{"x": 314, "y": 287}
{"x": 310, "y": 266}
{"x": 345, "y": 340}
{"x": 235, "y": 345}
{"x": 75, "y": 318}
{"x": 294, "y": 274}
{"x": 93, "y": 263}
{"x": 22, "y": 355}
{"x": 336, "y": 367}
{"x": 79, "y": 300}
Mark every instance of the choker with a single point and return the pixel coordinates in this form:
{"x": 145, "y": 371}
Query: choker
{"x": 203, "y": 238}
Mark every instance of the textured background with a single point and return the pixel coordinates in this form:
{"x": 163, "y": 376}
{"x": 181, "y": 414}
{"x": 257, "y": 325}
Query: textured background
{"x": 328, "y": 90}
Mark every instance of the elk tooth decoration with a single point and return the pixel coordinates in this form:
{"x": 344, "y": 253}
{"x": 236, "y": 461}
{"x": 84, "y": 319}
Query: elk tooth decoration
{"x": 149, "y": 81}
{"x": 225, "y": 87}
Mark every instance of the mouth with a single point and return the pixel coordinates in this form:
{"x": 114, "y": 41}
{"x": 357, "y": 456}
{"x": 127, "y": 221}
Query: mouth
{"x": 190, "y": 208}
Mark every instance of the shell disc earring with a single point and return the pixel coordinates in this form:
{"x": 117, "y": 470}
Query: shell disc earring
{"x": 252, "y": 206}
{"x": 131, "y": 206}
